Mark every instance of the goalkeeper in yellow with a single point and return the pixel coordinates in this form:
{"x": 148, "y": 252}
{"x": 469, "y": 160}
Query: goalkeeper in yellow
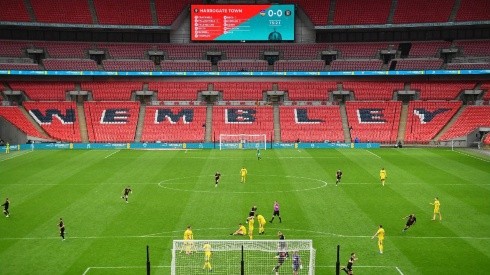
{"x": 262, "y": 223}
{"x": 381, "y": 236}
{"x": 207, "y": 257}
{"x": 383, "y": 176}
{"x": 188, "y": 237}
{"x": 243, "y": 174}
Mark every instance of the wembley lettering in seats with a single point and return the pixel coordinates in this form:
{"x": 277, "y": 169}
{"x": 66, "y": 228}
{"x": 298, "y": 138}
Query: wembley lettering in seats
{"x": 47, "y": 117}
{"x": 427, "y": 116}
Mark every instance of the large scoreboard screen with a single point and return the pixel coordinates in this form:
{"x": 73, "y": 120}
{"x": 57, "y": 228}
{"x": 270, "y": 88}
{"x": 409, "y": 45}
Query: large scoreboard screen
{"x": 242, "y": 22}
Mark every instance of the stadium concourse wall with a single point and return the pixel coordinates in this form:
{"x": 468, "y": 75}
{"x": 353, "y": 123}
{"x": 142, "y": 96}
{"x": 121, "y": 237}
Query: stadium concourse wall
{"x": 179, "y": 146}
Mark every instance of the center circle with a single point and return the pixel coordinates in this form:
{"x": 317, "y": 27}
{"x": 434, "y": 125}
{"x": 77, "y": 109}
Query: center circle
{"x": 176, "y": 183}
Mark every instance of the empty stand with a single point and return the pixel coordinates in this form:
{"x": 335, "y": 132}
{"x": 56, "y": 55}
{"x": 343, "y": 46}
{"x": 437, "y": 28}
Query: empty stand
{"x": 237, "y": 91}
{"x": 58, "y": 119}
{"x": 299, "y": 65}
{"x": 167, "y": 11}
{"x": 64, "y": 49}
{"x": 373, "y": 90}
{"x": 474, "y": 10}
{"x": 307, "y": 90}
{"x": 128, "y": 65}
{"x": 242, "y": 65}
{"x": 311, "y": 124}
{"x": 486, "y": 87}
{"x": 418, "y": 63}
{"x": 174, "y": 124}
{"x": 13, "y": 10}
{"x": 251, "y": 120}
{"x": 474, "y": 47}
{"x": 471, "y": 118}
{"x": 123, "y": 12}
{"x": 62, "y": 11}
{"x": 127, "y": 50}
{"x": 356, "y": 65}
{"x": 426, "y": 119}
{"x": 428, "y": 49}
{"x": 361, "y": 50}
{"x": 10, "y": 48}
{"x": 175, "y": 91}
{"x": 440, "y": 90}
{"x": 15, "y": 116}
{"x": 422, "y": 11}
{"x": 111, "y": 121}
{"x": 374, "y": 121}
{"x": 70, "y": 64}
{"x": 51, "y": 91}
{"x": 120, "y": 90}
{"x": 468, "y": 66}
{"x": 186, "y": 65}
{"x": 360, "y": 12}
{"x": 317, "y": 10}
{"x": 20, "y": 66}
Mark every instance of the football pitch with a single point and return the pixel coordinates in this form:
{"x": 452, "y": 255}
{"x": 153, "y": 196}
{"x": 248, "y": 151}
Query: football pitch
{"x": 174, "y": 189}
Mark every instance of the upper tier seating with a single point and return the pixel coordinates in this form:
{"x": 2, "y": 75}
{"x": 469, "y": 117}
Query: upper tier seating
{"x": 474, "y": 47}
{"x": 471, "y": 118}
{"x": 58, "y": 119}
{"x": 111, "y": 121}
{"x": 13, "y": 10}
{"x": 167, "y": 11}
{"x": 418, "y": 64}
{"x": 440, "y": 90}
{"x": 15, "y": 116}
{"x": 311, "y": 124}
{"x": 361, "y": 50}
{"x": 128, "y": 65}
{"x": 426, "y": 118}
{"x": 120, "y": 90}
{"x": 474, "y": 10}
{"x": 70, "y": 64}
{"x": 317, "y": 10}
{"x": 299, "y": 65}
{"x": 361, "y": 12}
{"x": 486, "y": 87}
{"x": 307, "y": 90}
{"x": 20, "y": 66}
{"x": 373, "y": 90}
{"x": 174, "y": 124}
{"x": 123, "y": 12}
{"x": 65, "y": 49}
{"x": 374, "y": 121}
{"x": 468, "y": 66}
{"x": 428, "y": 49}
{"x": 242, "y": 65}
{"x": 356, "y": 65}
{"x": 422, "y": 11}
{"x": 186, "y": 65}
{"x": 175, "y": 91}
{"x": 240, "y": 91}
{"x": 252, "y": 120}
{"x": 51, "y": 91}
{"x": 62, "y": 11}
{"x": 14, "y": 48}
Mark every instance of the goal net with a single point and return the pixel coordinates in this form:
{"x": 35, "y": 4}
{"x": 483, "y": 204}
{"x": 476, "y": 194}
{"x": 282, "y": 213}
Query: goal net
{"x": 259, "y": 256}
{"x": 242, "y": 141}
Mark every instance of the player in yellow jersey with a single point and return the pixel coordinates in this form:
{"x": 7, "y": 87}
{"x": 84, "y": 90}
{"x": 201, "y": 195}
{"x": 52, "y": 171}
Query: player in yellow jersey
{"x": 381, "y": 236}
{"x": 240, "y": 231}
{"x": 243, "y": 174}
{"x": 7, "y": 148}
{"x": 437, "y": 209}
{"x": 262, "y": 223}
{"x": 383, "y": 176}
{"x": 251, "y": 222}
{"x": 207, "y": 257}
{"x": 188, "y": 237}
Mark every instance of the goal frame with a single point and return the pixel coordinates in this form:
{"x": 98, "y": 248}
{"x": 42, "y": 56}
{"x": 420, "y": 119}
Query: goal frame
{"x": 270, "y": 247}
{"x": 241, "y": 144}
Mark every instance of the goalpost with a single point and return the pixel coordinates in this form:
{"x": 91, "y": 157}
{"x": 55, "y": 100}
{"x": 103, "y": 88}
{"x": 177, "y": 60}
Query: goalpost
{"x": 230, "y": 256}
{"x": 242, "y": 141}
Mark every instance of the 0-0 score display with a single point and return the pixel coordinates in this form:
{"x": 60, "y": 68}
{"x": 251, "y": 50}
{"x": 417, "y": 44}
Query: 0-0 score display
{"x": 242, "y": 22}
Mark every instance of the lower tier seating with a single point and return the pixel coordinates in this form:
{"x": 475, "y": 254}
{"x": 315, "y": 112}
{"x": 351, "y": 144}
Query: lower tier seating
{"x": 252, "y": 120}
{"x": 471, "y": 118}
{"x": 15, "y": 116}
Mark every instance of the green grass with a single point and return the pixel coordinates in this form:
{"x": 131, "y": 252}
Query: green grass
{"x": 173, "y": 189}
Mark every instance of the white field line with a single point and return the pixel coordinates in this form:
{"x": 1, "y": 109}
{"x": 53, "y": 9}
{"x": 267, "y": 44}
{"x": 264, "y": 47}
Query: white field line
{"x": 16, "y": 155}
{"x": 120, "y": 267}
{"x": 373, "y": 154}
{"x": 471, "y": 156}
{"x": 399, "y": 271}
{"x": 112, "y": 153}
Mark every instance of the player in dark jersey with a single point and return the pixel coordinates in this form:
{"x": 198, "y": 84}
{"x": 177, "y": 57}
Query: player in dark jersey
{"x": 217, "y": 175}
{"x": 338, "y": 176}
{"x": 348, "y": 267}
{"x": 126, "y": 192}
{"x": 296, "y": 263}
{"x": 61, "y": 225}
{"x": 282, "y": 246}
{"x": 252, "y": 212}
{"x": 411, "y": 220}
{"x": 280, "y": 260}
{"x": 6, "y": 208}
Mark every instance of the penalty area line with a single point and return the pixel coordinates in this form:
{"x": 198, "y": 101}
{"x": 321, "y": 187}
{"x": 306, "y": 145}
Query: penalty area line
{"x": 121, "y": 267}
{"x": 373, "y": 154}
{"x": 111, "y": 154}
